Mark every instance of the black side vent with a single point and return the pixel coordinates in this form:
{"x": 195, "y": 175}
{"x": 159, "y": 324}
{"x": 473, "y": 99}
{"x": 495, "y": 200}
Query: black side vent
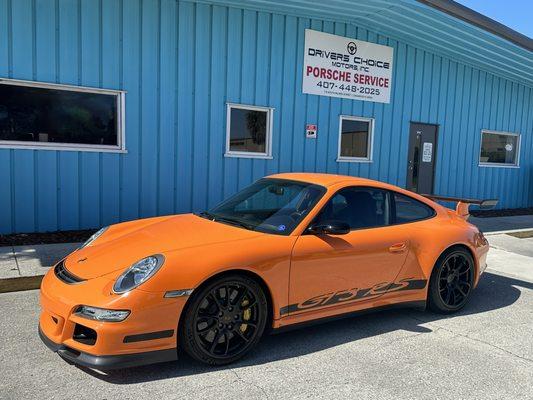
{"x": 62, "y": 273}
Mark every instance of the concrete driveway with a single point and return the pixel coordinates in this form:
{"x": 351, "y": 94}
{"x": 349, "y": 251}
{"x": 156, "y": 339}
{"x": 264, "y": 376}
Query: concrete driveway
{"x": 485, "y": 351}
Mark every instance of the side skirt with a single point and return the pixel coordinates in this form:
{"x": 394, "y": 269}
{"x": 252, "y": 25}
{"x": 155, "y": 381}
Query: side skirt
{"x": 419, "y": 305}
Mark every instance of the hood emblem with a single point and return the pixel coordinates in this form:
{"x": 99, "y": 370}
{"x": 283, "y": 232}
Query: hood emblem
{"x": 82, "y": 259}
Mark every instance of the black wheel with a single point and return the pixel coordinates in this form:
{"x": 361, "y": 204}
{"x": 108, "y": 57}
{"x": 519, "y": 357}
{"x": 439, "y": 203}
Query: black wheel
{"x": 224, "y": 320}
{"x": 451, "y": 282}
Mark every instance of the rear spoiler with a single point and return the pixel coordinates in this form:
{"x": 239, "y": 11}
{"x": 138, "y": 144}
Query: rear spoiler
{"x": 463, "y": 204}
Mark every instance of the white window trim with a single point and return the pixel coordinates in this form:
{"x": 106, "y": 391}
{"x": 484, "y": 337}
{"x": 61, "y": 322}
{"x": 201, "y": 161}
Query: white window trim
{"x": 268, "y": 139}
{"x": 370, "y": 146}
{"x": 121, "y": 121}
{"x": 500, "y": 165}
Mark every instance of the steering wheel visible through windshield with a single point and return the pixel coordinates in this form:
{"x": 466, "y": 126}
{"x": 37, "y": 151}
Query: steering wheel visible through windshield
{"x": 269, "y": 205}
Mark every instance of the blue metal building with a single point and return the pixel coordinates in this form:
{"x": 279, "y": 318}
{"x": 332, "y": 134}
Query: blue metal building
{"x": 177, "y": 67}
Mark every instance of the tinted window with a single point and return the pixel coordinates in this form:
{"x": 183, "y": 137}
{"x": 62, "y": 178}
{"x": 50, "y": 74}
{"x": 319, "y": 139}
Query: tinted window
{"x": 359, "y": 207}
{"x": 499, "y": 148}
{"x": 355, "y": 138}
{"x": 36, "y": 114}
{"x": 409, "y": 209}
{"x": 248, "y": 130}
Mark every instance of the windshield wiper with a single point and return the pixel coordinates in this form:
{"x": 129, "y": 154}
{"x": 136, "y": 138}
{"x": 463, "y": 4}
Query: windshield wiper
{"x": 213, "y": 217}
{"x": 234, "y": 222}
{"x": 206, "y": 215}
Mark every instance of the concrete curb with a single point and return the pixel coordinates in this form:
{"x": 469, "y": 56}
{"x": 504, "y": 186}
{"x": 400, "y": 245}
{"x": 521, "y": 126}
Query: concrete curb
{"x": 20, "y": 284}
{"x": 23, "y": 267}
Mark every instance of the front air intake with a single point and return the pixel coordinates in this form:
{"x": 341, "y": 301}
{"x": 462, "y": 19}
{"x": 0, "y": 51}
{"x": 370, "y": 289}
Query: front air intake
{"x": 64, "y": 275}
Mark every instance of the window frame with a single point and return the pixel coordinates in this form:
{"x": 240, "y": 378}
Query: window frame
{"x": 370, "y": 145}
{"x": 120, "y": 96}
{"x": 393, "y": 209}
{"x": 486, "y": 164}
{"x": 268, "y": 138}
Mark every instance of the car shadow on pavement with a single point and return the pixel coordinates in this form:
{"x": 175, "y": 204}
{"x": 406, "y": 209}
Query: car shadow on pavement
{"x": 493, "y": 292}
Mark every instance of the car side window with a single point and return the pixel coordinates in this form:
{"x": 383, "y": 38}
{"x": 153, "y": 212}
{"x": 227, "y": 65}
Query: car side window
{"x": 359, "y": 207}
{"x": 408, "y": 209}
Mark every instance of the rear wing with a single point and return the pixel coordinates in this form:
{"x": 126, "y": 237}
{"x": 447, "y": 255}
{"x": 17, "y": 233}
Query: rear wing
{"x": 463, "y": 204}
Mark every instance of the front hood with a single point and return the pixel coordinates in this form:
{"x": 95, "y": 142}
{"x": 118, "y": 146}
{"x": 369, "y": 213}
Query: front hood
{"x": 124, "y": 244}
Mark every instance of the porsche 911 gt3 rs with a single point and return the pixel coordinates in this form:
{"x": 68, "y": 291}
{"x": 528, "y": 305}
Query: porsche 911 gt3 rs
{"x": 289, "y": 249}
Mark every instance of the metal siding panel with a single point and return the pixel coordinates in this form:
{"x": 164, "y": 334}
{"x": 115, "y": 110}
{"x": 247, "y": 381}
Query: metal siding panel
{"x": 131, "y": 76}
{"x": 300, "y": 100}
{"x": 200, "y": 155}
{"x": 289, "y": 89}
{"x": 247, "y": 85}
{"x": 233, "y": 91}
{"x": 262, "y": 78}
{"x": 6, "y": 210}
{"x": 110, "y": 78}
{"x": 217, "y": 109}
{"x": 276, "y": 83}
{"x": 167, "y": 110}
{"x": 149, "y": 107}
{"x": 46, "y": 161}
{"x": 89, "y": 172}
{"x": 23, "y": 161}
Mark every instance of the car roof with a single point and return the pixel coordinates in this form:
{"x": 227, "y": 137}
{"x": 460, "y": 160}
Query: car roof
{"x": 325, "y": 179}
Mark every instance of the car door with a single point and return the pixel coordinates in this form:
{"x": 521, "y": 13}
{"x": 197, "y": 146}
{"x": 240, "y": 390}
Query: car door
{"x": 328, "y": 270}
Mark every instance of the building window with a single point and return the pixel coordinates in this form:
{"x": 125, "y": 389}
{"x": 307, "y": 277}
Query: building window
{"x": 249, "y": 131}
{"x": 499, "y": 149}
{"x": 60, "y": 117}
{"x": 355, "y": 139}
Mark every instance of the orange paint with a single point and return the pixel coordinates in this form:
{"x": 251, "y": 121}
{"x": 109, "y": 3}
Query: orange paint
{"x": 307, "y": 276}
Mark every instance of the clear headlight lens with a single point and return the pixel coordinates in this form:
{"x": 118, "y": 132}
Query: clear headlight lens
{"x": 101, "y": 314}
{"x": 95, "y": 236}
{"x": 138, "y": 273}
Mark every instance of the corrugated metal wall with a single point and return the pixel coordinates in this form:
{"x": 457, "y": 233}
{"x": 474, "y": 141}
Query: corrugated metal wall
{"x": 180, "y": 62}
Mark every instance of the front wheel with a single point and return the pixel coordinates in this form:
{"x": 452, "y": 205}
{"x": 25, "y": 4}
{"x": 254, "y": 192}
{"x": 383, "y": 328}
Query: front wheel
{"x": 451, "y": 282}
{"x": 224, "y": 320}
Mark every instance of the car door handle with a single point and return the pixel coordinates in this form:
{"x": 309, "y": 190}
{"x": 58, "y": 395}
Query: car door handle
{"x": 398, "y": 248}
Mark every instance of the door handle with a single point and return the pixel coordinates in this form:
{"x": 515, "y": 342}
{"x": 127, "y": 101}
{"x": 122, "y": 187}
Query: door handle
{"x": 398, "y": 248}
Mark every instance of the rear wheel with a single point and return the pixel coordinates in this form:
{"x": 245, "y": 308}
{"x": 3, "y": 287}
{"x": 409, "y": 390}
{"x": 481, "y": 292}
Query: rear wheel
{"x": 224, "y": 320}
{"x": 451, "y": 282}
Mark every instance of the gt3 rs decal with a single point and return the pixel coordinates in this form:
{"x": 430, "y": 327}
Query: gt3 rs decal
{"x": 355, "y": 294}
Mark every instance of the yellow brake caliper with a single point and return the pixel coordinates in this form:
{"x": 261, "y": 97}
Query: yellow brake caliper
{"x": 245, "y": 315}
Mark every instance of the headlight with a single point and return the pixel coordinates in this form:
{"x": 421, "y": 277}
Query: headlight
{"x": 95, "y": 236}
{"x": 138, "y": 273}
{"x": 101, "y": 314}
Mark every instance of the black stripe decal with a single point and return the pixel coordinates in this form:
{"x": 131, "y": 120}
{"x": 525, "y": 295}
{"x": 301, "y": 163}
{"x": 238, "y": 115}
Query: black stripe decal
{"x": 149, "y": 336}
{"x": 352, "y": 295}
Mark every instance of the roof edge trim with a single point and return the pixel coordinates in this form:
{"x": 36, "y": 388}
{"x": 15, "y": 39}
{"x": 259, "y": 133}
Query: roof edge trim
{"x": 466, "y": 14}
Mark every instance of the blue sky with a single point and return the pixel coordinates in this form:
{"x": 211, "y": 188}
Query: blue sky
{"x": 516, "y": 14}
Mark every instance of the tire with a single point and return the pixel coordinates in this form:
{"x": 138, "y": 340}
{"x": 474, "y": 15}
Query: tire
{"x": 452, "y": 281}
{"x": 218, "y": 329}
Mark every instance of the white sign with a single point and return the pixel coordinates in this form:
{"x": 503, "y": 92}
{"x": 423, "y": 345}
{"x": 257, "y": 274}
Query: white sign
{"x": 509, "y": 147}
{"x": 427, "y": 151}
{"x": 310, "y": 131}
{"x": 338, "y": 66}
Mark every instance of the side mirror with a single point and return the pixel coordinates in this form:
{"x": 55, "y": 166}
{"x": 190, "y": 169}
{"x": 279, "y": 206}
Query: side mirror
{"x": 329, "y": 228}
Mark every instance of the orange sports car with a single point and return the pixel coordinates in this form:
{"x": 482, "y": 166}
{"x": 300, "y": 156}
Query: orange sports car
{"x": 289, "y": 249}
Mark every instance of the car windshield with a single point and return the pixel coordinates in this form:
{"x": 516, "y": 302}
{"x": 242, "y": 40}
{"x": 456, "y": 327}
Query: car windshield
{"x": 269, "y": 205}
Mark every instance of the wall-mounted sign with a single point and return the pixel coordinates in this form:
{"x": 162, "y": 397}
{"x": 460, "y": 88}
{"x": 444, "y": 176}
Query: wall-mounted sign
{"x": 338, "y": 66}
{"x": 310, "y": 131}
{"x": 427, "y": 152}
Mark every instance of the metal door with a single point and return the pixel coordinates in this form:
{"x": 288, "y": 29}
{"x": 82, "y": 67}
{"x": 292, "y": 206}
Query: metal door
{"x": 421, "y": 162}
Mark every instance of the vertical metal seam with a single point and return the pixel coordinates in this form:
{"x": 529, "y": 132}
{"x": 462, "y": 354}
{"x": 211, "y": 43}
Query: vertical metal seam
{"x": 140, "y": 105}
{"x": 158, "y": 112}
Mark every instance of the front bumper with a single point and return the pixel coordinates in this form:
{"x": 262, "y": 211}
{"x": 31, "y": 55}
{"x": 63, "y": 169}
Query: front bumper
{"x": 147, "y": 335}
{"x": 109, "y": 362}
